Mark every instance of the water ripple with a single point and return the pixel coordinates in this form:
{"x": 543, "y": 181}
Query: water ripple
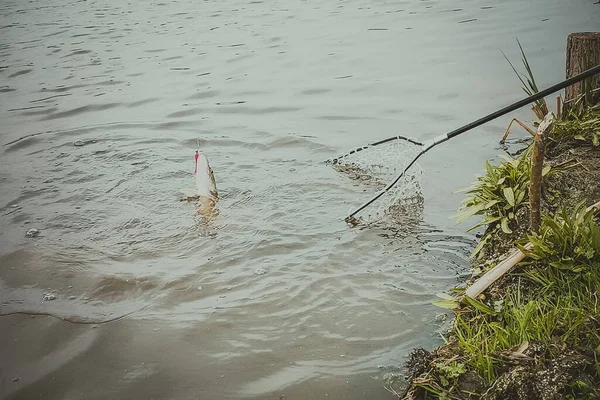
{"x": 104, "y": 105}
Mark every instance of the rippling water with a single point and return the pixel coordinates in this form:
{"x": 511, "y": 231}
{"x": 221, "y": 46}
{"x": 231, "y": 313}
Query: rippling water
{"x": 103, "y": 104}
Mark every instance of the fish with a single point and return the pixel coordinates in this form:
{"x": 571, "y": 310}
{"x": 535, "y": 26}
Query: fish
{"x": 205, "y": 194}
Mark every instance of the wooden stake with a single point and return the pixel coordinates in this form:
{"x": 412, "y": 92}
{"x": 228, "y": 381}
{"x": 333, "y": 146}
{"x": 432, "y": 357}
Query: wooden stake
{"x": 499, "y": 270}
{"x": 537, "y": 164}
{"x": 583, "y": 52}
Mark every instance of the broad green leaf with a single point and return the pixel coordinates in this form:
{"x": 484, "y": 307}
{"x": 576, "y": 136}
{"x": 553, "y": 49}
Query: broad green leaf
{"x": 489, "y": 219}
{"x": 546, "y": 169}
{"x": 479, "y": 305}
{"x": 504, "y": 226}
{"x": 468, "y": 212}
{"x": 479, "y": 246}
{"x": 492, "y": 203}
{"x": 447, "y": 304}
{"x": 509, "y": 195}
{"x": 520, "y": 196}
{"x": 489, "y": 168}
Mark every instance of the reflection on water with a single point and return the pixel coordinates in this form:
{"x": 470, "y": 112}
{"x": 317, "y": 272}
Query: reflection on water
{"x": 103, "y": 105}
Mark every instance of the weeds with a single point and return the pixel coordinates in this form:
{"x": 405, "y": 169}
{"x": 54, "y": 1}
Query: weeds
{"x": 561, "y": 304}
{"x": 579, "y": 126}
{"x": 540, "y": 108}
{"x": 568, "y": 242}
{"x": 498, "y": 195}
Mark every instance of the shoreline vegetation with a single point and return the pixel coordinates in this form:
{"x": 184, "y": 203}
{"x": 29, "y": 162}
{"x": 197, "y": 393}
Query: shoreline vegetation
{"x": 534, "y": 333}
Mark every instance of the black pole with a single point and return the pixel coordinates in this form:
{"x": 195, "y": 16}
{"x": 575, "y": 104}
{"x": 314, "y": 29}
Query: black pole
{"x": 524, "y": 102}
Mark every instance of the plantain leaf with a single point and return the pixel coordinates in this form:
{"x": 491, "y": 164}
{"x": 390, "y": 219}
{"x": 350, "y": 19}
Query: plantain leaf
{"x": 509, "y": 195}
{"x": 504, "y": 226}
{"x": 479, "y": 306}
{"x": 546, "y": 169}
{"x": 447, "y": 304}
{"x": 520, "y": 196}
{"x": 479, "y": 246}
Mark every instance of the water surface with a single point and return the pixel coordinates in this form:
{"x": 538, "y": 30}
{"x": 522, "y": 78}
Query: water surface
{"x": 102, "y": 107}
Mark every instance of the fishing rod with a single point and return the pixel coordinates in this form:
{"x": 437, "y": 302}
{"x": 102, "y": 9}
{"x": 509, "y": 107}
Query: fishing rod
{"x": 428, "y": 145}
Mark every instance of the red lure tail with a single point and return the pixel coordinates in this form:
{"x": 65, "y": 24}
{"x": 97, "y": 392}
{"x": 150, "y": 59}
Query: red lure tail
{"x": 196, "y": 165}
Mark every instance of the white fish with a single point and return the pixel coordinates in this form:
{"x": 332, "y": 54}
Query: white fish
{"x": 206, "y": 189}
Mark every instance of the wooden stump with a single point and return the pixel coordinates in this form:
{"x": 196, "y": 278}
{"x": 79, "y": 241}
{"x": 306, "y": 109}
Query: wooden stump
{"x": 537, "y": 165}
{"x": 583, "y": 52}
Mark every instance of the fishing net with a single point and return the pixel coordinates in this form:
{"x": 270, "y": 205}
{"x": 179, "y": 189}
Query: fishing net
{"x": 376, "y": 166}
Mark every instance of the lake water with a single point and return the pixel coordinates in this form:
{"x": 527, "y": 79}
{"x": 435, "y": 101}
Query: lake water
{"x": 103, "y": 104}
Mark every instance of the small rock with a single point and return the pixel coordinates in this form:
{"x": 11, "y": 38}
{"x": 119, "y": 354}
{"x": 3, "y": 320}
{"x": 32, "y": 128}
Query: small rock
{"x": 79, "y": 143}
{"x": 199, "y": 287}
{"x": 260, "y": 271}
{"x": 72, "y": 297}
{"x": 15, "y": 379}
{"x": 49, "y": 297}
{"x": 32, "y": 233}
{"x": 77, "y": 207}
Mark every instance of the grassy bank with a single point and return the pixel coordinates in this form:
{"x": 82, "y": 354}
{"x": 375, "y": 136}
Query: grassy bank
{"x": 535, "y": 333}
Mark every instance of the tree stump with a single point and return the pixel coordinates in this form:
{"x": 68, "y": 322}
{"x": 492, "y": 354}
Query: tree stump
{"x": 583, "y": 53}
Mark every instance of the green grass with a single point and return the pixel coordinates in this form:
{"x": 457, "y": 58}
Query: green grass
{"x": 559, "y": 304}
{"x": 581, "y": 126}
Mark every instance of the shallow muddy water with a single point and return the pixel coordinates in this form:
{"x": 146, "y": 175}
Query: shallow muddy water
{"x": 102, "y": 107}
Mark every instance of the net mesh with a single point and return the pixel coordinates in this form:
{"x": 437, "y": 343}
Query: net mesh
{"x": 376, "y": 167}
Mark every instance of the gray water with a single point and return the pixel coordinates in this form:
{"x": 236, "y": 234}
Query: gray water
{"x": 102, "y": 107}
